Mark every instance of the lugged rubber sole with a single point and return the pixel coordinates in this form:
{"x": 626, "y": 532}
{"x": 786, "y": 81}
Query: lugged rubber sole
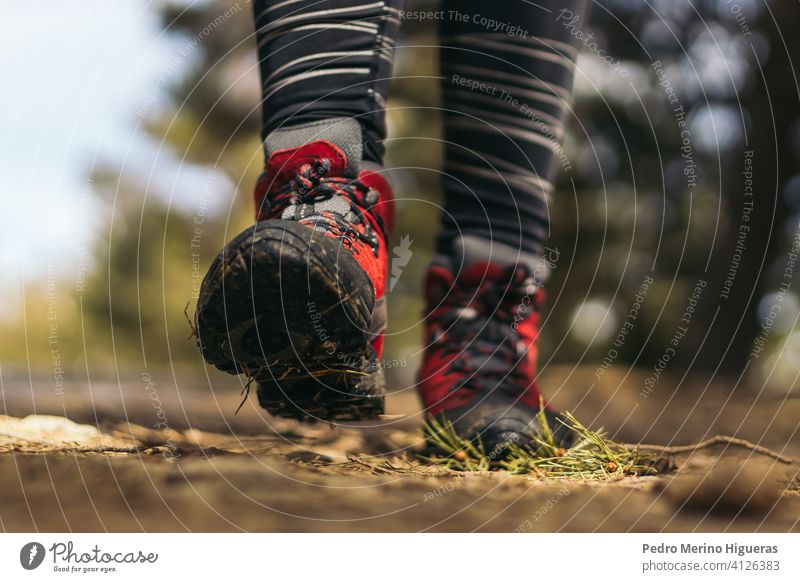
{"x": 284, "y": 305}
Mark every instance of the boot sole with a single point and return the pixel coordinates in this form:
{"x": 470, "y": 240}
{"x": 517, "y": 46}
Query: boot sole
{"x": 284, "y": 305}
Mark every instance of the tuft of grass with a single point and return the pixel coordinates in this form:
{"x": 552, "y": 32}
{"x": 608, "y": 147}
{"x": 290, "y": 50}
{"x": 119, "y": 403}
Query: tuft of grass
{"x": 592, "y": 457}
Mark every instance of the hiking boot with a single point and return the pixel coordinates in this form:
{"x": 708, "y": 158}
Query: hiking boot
{"x": 479, "y": 364}
{"x": 297, "y": 301}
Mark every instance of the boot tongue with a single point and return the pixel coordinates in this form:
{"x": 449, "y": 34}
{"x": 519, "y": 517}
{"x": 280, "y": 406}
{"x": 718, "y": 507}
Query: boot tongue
{"x": 444, "y": 274}
{"x": 475, "y": 261}
{"x": 478, "y": 259}
{"x": 338, "y": 140}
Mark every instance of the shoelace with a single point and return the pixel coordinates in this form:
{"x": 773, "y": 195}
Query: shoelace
{"x": 311, "y": 185}
{"x": 479, "y": 327}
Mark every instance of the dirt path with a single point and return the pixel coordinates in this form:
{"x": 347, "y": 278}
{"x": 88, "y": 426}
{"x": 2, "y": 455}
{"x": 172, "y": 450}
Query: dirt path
{"x": 213, "y": 470}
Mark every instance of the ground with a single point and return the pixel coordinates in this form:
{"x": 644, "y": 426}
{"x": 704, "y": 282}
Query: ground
{"x": 98, "y": 458}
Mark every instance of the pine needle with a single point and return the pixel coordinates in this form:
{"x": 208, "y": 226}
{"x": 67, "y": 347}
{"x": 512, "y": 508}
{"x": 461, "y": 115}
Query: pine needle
{"x": 592, "y": 457}
{"x": 245, "y": 393}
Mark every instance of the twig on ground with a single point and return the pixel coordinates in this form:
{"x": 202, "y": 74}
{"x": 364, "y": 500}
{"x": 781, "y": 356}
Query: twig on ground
{"x": 719, "y": 440}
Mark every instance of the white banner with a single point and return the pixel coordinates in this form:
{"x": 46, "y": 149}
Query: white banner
{"x": 400, "y": 557}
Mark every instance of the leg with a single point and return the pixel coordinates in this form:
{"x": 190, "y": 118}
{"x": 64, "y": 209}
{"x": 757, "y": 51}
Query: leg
{"x": 297, "y": 302}
{"x": 323, "y": 59}
{"x": 506, "y": 95}
{"x": 507, "y": 71}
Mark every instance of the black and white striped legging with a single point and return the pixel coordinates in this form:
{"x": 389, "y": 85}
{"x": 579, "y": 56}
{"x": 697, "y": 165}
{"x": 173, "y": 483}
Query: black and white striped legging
{"x": 506, "y": 66}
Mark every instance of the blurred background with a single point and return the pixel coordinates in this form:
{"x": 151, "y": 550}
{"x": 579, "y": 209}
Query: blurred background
{"x": 129, "y": 144}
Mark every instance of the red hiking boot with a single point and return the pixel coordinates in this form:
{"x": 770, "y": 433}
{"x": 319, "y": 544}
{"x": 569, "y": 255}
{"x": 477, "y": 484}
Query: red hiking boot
{"x": 297, "y": 301}
{"x": 479, "y": 365}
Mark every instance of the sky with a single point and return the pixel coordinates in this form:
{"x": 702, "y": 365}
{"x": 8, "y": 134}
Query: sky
{"x": 77, "y": 76}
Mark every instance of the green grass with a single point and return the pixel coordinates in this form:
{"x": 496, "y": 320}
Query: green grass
{"x": 592, "y": 457}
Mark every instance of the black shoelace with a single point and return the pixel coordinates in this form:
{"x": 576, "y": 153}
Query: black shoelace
{"x": 479, "y": 327}
{"x": 311, "y": 185}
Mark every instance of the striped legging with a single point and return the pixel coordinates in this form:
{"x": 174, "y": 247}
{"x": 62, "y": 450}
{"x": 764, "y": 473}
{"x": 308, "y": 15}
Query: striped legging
{"x": 506, "y": 67}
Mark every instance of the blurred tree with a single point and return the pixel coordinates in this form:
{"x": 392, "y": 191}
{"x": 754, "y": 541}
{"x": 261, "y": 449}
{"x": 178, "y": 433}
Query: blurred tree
{"x": 660, "y": 188}
{"x": 652, "y": 184}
